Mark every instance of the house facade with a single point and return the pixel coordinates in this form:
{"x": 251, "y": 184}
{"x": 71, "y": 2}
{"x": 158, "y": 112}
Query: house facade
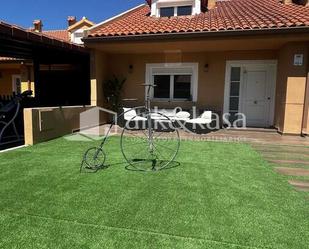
{"x": 16, "y": 76}
{"x": 233, "y": 56}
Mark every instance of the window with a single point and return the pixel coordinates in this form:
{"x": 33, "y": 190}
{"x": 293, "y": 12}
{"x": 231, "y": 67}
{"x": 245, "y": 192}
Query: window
{"x": 162, "y": 89}
{"x": 170, "y": 8}
{"x": 167, "y": 12}
{"x": 176, "y": 11}
{"x": 173, "y": 81}
{"x": 77, "y": 36}
{"x": 184, "y": 10}
{"x": 234, "y": 92}
{"x": 182, "y": 86}
{"x": 172, "y": 87}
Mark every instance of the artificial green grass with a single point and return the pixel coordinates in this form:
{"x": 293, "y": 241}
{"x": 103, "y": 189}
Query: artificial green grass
{"x": 223, "y": 195}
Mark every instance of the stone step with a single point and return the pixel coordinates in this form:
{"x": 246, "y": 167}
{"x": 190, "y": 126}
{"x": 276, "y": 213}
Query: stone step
{"x": 280, "y": 152}
{"x": 300, "y": 185}
{"x": 302, "y": 149}
{"x": 289, "y": 162}
{"x": 292, "y": 171}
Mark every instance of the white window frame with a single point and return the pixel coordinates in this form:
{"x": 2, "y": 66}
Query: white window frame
{"x": 173, "y": 69}
{"x": 157, "y": 5}
{"x": 74, "y": 38}
{"x": 14, "y": 87}
{"x": 175, "y": 9}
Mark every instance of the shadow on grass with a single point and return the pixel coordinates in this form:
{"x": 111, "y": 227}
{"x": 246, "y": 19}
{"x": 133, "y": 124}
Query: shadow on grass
{"x": 87, "y": 170}
{"x": 171, "y": 165}
{"x": 128, "y": 167}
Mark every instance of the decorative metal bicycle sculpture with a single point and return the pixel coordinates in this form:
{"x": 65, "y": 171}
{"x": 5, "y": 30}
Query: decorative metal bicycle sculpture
{"x": 149, "y": 140}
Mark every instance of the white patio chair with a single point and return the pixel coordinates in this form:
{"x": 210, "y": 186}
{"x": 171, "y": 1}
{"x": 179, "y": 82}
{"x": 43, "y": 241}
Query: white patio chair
{"x": 171, "y": 114}
{"x": 182, "y": 116}
{"x": 130, "y": 113}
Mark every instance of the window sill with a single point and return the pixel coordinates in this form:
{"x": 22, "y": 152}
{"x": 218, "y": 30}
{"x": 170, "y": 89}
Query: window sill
{"x": 172, "y": 100}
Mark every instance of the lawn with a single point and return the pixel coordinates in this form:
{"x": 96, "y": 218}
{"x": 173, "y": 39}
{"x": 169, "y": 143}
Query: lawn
{"x": 222, "y": 196}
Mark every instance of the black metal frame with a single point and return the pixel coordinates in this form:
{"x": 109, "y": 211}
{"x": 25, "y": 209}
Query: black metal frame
{"x": 7, "y": 120}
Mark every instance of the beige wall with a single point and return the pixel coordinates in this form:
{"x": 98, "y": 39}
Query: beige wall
{"x": 306, "y": 108}
{"x": 27, "y": 78}
{"x": 6, "y": 86}
{"x": 43, "y": 124}
{"x": 8, "y": 70}
{"x": 98, "y": 74}
{"x": 210, "y": 84}
{"x": 291, "y": 85}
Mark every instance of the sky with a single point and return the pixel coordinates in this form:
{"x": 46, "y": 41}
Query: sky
{"x": 54, "y": 13}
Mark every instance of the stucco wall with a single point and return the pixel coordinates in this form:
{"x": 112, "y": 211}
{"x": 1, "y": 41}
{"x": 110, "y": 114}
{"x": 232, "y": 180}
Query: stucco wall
{"x": 6, "y": 86}
{"x": 210, "y": 83}
{"x": 43, "y": 124}
{"x": 8, "y": 70}
{"x": 98, "y": 74}
{"x": 291, "y": 85}
{"x": 27, "y": 78}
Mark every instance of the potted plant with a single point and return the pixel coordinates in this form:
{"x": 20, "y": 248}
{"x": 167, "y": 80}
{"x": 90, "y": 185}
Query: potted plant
{"x": 112, "y": 92}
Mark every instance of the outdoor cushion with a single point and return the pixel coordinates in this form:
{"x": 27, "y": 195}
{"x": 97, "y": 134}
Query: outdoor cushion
{"x": 199, "y": 121}
{"x": 158, "y": 116}
{"x": 137, "y": 118}
{"x": 130, "y": 113}
{"x": 166, "y": 112}
{"x": 205, "y": 118}
{"x": 182, "y": 115}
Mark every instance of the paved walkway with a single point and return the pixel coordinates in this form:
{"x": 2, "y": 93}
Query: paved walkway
{"x": 290, "y": 157}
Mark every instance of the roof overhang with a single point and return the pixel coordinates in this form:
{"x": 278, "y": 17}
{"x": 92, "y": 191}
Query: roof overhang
{"x": 198, "y": 43}
{"x": 211, "y": 34}
{"x": 11, "y": 33}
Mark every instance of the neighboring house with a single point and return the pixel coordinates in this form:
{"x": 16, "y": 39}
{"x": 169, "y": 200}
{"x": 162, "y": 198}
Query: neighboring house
{"x": 228, "y": 56}
{"x": 16, "y": 75}
{"x": 74, "y": 33}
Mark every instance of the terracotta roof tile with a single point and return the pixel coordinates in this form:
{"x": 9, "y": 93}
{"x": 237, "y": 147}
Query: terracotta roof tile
{"x": 58, "y": 34}
{"x": 228, "y": 15}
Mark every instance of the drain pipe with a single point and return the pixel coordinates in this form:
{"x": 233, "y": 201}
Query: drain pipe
{"x": 304, "y": 128}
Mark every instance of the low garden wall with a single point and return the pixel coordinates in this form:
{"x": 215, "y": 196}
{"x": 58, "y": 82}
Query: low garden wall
{"x": 43, "y": 124}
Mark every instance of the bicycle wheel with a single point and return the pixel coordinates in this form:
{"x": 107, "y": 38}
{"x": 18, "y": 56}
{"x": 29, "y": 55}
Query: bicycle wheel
{"x": 94, "y": 159}
{"x": 152, "y": 145}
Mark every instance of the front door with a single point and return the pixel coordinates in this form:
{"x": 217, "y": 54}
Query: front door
{"x": 250, "y": 90}
{"x": 257, "y": 95}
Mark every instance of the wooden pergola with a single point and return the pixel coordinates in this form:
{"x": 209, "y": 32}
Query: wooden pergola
{"x": 54, "y": 87}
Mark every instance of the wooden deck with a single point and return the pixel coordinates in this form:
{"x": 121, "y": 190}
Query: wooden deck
{"x": 252, "y": 136}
